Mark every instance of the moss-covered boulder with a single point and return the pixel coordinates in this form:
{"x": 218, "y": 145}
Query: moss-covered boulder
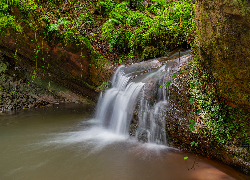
{"x": 223, "y": 41}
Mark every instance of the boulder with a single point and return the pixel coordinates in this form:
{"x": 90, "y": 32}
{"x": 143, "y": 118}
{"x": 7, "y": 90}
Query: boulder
{"x": 223, "y": 47}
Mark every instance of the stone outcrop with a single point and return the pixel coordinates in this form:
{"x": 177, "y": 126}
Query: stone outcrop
{"x": 66, "y": 65}
{"x": 222, "y": 55}
{"x": 71, "y": 64}
{"x": 223, "y": 40}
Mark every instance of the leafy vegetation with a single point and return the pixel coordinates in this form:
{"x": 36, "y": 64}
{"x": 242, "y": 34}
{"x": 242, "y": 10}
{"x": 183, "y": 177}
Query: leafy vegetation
{"x": 150, "y": 33}
{"x": 6, "y": 19}
{"x": 132, "y": 29}
{"x": 227, "y": 125}
{"x": 218, "y": 120}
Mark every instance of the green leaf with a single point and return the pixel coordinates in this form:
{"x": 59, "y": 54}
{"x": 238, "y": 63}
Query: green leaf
{"x": 186, "y": 157}
{"x": 117, "y": 15}
{"x": 198, "y": 111}
{"x": 64, "y": 21}
{"x": 167, "y": 84}
{"x": 53, "y": 27}
{"x": 180, "y": 72}
{"x": 191, "y": 101}
{"x": 170, "y": 22}
{"x": 194, "y": 143}
{"x": 5, "y": 7}
{"x": 174, "y": 75}
{"x": 191, "y": 85}
{"x": 191, "y": 126}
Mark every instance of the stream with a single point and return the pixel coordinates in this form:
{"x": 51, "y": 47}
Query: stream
{"x": 63, "y": 142}
{"x": 82, "y": 142}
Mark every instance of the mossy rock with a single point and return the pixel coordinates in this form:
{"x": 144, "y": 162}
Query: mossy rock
{"x": 223, "y": 37}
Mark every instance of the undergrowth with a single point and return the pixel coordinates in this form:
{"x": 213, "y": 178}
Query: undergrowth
{"x": 130, "y": 28}
{"x": 228, "y": 125}
{"x": 149, "y": 31}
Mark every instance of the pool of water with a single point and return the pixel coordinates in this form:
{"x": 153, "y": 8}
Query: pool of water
{"x": 64, "y": 142}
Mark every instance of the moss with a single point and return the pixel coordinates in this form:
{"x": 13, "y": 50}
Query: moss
{"x": 243, "y": 6}
{"x": 223, "y": 67}
{"x": 3, "y": 67}
{"x": 223, "y": 39}
{"x": 99, "y": 70}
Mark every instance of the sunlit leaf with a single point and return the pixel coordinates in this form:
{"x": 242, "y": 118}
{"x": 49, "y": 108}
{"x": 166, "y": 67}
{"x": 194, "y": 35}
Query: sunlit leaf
{"x": 170, "y": 22}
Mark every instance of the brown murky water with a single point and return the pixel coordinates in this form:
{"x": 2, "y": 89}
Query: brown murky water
{"x": 64, "y": 143}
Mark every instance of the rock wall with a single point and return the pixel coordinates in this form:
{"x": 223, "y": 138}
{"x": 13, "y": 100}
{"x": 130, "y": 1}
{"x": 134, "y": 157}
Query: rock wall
{"x": 68, "y": 65}
{"x": 178, "y": 120}
{"x": 223, "y": 41}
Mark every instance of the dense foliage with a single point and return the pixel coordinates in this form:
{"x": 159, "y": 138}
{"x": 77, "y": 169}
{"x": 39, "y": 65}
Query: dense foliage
{"x": 6, "y": 19}
{"x": 135, "y": 28}
{"x": 150, "y": 30}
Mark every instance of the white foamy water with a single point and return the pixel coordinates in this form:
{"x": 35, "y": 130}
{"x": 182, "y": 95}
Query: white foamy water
{"x": 137, "y": 90}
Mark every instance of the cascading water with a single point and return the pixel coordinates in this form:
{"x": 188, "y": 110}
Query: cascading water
{"x": 138, "y": 92}
{"x": 117, "y": 105}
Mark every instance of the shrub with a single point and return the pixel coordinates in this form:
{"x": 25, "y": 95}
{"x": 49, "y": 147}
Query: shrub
{"x": 7, "y": 20}
{"x": 137, "y": 32}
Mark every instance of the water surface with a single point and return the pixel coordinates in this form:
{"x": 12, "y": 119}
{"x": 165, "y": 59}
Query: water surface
{"x": 64, "y": 142}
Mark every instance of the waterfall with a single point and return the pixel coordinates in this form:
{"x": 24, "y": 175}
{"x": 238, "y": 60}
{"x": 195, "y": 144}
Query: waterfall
{"x": 115, "y": 109}
{"x": 138, "y": 96}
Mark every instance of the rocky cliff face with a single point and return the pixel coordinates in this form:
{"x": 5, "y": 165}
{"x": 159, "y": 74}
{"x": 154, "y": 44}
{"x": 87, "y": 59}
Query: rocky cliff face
{"x": 65, "y": 64}
{"x": 223, "y": 40}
